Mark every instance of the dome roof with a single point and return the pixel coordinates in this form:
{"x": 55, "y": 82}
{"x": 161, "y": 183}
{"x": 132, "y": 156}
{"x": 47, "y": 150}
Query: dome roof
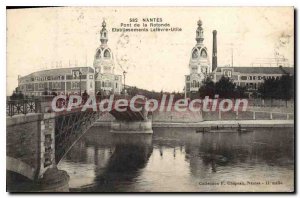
{"x": 199, "y": 22}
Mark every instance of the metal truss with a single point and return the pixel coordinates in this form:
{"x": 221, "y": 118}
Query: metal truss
{"x": 69, "y": 128}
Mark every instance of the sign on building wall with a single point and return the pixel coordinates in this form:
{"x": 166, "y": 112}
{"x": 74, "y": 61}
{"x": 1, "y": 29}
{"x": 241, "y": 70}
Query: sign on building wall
{"x": 227, "y": 72}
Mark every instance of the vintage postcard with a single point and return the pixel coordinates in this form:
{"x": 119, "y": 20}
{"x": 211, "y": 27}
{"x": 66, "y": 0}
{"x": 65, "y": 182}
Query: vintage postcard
{"x": 150, "y": 99}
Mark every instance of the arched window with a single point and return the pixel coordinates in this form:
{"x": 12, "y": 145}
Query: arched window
{"x": 106, "y": 54}
{"x": 194, "y": 83}
{"x": 195, "y": 54}
{"x": 98, "y": 54}
{"x": 203, "y": 54}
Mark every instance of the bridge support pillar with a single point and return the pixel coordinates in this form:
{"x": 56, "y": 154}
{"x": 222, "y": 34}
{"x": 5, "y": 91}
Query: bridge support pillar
{"x": 53, "y": 180}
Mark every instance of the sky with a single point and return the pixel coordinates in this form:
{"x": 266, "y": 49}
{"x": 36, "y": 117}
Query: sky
{"x": 46, "y": 38}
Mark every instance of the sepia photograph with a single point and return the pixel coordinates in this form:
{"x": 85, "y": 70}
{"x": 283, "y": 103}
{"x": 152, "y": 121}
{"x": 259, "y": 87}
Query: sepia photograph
{"x": 150, "y": 99}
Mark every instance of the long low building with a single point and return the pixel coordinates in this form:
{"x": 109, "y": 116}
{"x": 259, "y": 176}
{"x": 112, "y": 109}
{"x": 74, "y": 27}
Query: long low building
{"x": 60, "y": 81}
{"x": 68, "y": 81}
{"x": 250, "y": 77}
{"x": 99, "y": 78}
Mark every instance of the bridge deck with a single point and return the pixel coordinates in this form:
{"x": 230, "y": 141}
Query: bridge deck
{"x": 128, "y": 114}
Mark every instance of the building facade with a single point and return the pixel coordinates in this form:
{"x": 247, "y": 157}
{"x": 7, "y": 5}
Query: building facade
{"x": 199, "y": 65}
{"x": 59, "y": 81}
{"x": 105, "y": 78}
{"x": 249, "y": 77}
{"x": 94, "y": 80}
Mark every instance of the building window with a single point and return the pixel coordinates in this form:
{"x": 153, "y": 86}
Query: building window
{"x": 98, "y": 54}
{"x": 195, "y": 84}
{"x": 106, "y": 54}
{"x": 30, "y": 87}
{"x": 41, "y": 85}
{"x": 116, "y": 85}
{"x": 107, "y": 84}
{"x": 75, "y": 85}
{"x": 195, "y": 54}
{"x": 203, "y": 54}
{"x": 251, "y": 85}
{"x": 56, "y": 85}
{"x": 243, "y": 77}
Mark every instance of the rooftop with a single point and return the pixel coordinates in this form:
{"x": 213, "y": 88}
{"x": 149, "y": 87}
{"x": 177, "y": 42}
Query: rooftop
{"x": 261, "y": 70}
{"x": 59, "y": 71}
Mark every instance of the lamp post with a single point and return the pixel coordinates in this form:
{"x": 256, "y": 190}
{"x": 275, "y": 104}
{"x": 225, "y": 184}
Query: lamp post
{"x": 124, "y": 74}
{"x": 95, "y": 77}
{"x": 80, "y": 74}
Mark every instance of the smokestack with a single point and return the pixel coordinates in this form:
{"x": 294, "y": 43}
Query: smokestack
{"x": 214, "y": 52}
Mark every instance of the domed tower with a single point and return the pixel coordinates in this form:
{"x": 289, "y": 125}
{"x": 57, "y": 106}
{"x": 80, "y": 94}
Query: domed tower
{"x": 199, "y": 63}
{"x": 106, "y": 81}
{"x": 103, "y": 60}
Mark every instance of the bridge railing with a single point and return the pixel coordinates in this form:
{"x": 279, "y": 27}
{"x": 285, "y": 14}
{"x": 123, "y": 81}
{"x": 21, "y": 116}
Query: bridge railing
{"x": 23, "y": 106}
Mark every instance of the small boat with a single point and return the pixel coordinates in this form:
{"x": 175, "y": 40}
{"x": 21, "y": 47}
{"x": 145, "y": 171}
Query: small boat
{"x": 203, "y": 130}
{"x": 224, "y": 130}
{"x": 244, "y": 130}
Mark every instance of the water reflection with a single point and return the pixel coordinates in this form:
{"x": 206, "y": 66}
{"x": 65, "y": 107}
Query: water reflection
{"x": 177, "y": 159}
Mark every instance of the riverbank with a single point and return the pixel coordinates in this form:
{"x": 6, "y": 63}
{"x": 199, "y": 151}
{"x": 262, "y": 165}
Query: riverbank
{"x": 219, "y": 123}
{"x": 230, "y": 123}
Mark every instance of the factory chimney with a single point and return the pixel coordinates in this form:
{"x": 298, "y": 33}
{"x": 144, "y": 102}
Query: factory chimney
{"x": 214, "y": 52}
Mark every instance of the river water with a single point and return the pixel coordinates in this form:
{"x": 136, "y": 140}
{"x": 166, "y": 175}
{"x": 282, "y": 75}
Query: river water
{"x": 179, "y": 159}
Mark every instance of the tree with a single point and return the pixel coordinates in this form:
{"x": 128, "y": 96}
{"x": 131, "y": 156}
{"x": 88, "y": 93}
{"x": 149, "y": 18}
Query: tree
{"x": 240, "y": 92}
{"x": 286, "y": 87}
{"x": 269, "y": 89}
{"x": 225, "y": 88}
{"x": 282, "y": 88}
{"x": 207, "y": 88}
